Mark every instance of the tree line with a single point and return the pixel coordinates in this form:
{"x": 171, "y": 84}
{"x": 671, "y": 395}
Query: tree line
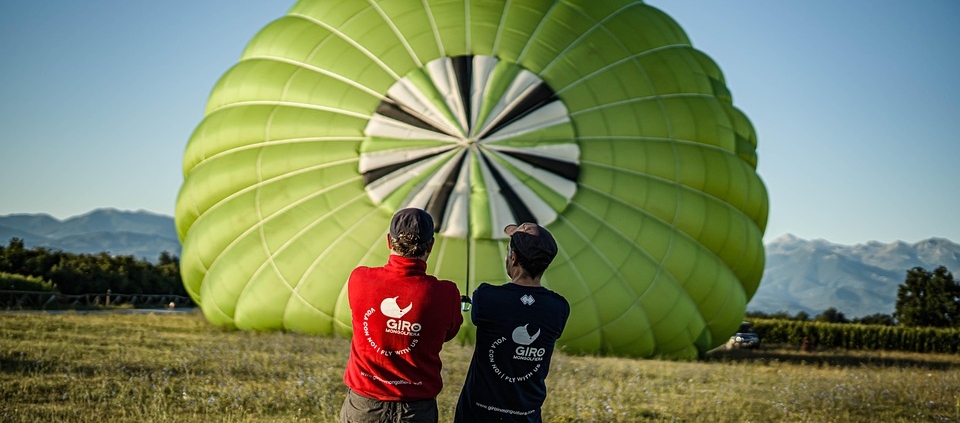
{"x": 40, "y": 269}
{"x": 819, "y": 334}
{"x": 925, "y": 299}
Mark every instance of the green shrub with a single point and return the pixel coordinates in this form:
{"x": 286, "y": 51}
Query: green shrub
{"x": 13, "y": 282}
{"x": 854, "y": 336}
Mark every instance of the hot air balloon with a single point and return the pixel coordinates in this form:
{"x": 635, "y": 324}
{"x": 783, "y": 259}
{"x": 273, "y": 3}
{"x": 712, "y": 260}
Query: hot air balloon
{"x": 596, "y": 119}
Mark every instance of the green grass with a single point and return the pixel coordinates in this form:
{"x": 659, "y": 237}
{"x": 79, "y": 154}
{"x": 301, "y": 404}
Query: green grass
{"x": 175, "y": 367}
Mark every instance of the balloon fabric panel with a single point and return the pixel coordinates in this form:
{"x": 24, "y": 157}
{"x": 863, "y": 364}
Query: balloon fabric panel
{"x": 599, "y": 120}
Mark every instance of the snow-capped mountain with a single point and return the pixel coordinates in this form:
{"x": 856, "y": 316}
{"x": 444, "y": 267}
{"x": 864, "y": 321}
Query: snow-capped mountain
{"x": 857, "y": 280}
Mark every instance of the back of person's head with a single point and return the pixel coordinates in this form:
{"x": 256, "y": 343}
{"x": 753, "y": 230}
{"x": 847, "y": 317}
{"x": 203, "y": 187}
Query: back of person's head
{"x": 534, "y": 246}
{"x": 411, "y": 232}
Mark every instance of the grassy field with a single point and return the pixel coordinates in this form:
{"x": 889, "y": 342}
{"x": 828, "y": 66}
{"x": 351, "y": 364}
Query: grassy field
{"x": 174, "y": 367}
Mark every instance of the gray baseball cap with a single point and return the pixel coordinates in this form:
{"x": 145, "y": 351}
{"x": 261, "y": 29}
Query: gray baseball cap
{"x": 533, "y": 242}
{"x": 412, "y": 222}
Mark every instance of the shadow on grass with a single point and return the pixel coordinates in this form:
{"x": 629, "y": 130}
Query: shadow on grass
{"x": 831, "y": 358}
{"x": 21, "y": 365}
{"x": 18, "y": 365}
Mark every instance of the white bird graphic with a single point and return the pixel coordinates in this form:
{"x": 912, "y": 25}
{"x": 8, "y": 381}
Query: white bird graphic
{"x": 522, "y": 337}
{"x": 390, "y": 308}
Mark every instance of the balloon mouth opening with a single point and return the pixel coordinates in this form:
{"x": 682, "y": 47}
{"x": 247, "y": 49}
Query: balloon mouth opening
{"x": 476, "y": 141}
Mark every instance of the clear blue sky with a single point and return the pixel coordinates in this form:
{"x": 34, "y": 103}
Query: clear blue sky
{"x": 856, "y": 103}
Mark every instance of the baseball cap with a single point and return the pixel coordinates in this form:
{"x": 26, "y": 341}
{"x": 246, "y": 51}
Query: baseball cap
{"x": 533, "y": 242}
{"x": 412, "y": 222}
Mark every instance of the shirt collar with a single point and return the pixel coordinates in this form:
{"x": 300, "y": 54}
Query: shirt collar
{"x": 406, "y": 264}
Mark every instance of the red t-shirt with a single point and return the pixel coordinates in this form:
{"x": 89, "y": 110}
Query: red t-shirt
{"x": 401, "y": 318}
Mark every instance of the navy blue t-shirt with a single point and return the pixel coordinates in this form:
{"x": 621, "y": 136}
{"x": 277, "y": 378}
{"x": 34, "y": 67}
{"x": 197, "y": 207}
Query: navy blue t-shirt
{"x": 517, "y": 328}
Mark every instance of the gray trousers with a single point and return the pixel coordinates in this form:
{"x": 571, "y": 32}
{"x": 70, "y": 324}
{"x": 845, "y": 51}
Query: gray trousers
{"x": 360, "y": 409}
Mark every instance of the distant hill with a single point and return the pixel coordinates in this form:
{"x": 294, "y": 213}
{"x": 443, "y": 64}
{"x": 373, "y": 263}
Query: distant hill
{"x": 857, "y": 280}
{"x": 800, "y": 275}
{"x": 141, "y": 234}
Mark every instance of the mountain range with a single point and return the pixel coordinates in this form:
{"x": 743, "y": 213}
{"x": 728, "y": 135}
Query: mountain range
{"x": 141, "y": 234}
{"x": 800, "y": 275}
{"x": 857, "y": 280}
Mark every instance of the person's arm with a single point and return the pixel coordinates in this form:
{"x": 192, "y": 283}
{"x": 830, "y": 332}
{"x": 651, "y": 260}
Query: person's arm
{"x": 478, "y": 310}
{"x": 456, "y": 318}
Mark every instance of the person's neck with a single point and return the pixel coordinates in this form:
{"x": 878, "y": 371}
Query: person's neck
{"x": 526, "y": 281}
{"x": 422, "y": 258}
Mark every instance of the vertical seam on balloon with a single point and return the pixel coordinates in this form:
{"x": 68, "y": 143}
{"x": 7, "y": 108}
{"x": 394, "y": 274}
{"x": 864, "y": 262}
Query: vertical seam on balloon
{"x": 438, "y": 267}
{"x": 678, "y": 200}
{"x": 604, "y": 223}
{"x": 288, "y": 242}
{"x": 691, "y": 143}
{"x": 196, "y": 210}
{"x": 433, "y": 26}
{"x": 655, "y": 97}
{"x": 536, "y": 32}
{"x": 735, "y": 210}
{"x": 623, "y": 280}
{"x": 588, "y": 288}
{"x": 279, "y": 212}
{"x": 344, "y": 288}
{"x": 304, "y": 140}
{"x": 746, "y": 196}
{"x": 652, "y": 216}
{"x": 272, "y": 264}
{"x": 467, "y": 30}
{"x": 319, "y": 70}
{"x": 259, "y": 225}
{"x": 292, "y": 104}
{"x": 319, "y": 47}
{"x": 313, "y": 265}
{"x": 283, "y": 97}
{"x": 350, "y": 41}
{"x": 261, "y": 230}
{"x": 596, "y": 25}
{"x": 336, "y": 308}
{"x": 726, "y": 303}
{"x": 396, "y": 32}
{"x": 500, "y": 28}
{"x": 723, "y": 264}
{"x": 216, "y": 307}
{"x": 612, "y": 65}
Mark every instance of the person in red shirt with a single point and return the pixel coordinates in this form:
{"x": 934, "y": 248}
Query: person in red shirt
{"x": 401, "y": 318}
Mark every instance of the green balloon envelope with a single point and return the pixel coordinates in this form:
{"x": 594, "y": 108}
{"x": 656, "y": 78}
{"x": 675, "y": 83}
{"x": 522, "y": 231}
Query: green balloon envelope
{"x": 596, "y": 119}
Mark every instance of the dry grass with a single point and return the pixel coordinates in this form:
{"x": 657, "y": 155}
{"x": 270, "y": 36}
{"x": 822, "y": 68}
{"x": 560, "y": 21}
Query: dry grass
{"x": 177, "y": 368}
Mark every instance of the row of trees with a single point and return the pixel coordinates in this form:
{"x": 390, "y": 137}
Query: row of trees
{"x": 75, "y": 274}
{"x": 925, "y": 299}
{"x": 814, "y": 334}
{"x": 830, "y": 315}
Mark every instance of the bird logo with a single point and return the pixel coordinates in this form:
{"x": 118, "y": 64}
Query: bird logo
{"x": 390, "y": 308}
{"x": 523, "y": 337}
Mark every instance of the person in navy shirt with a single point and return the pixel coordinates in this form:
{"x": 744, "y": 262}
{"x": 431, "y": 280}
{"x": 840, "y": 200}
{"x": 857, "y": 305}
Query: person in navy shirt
{"x": 518, "y": 324}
